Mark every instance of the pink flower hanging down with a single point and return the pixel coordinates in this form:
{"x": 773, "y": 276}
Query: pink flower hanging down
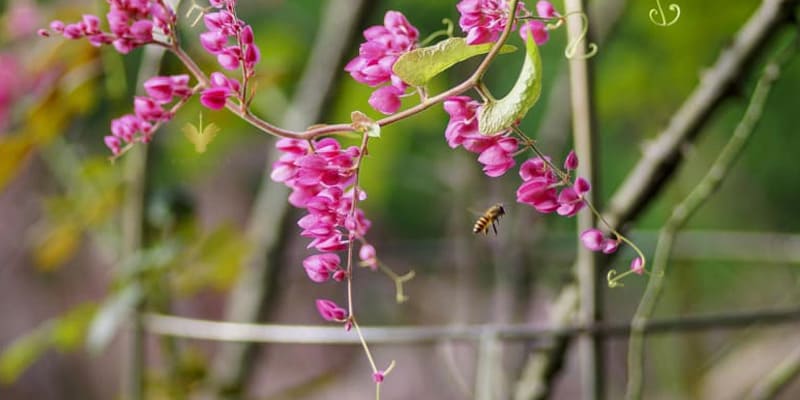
{"x": 495, "y": 151}
{"x": 376, "y": 57}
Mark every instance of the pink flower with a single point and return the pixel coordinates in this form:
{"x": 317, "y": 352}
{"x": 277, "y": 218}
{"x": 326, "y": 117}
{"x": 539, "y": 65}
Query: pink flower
{"x": 592, "y": 239}
{"x": 498, "y": 157}
{"x": 571, "y": 199}
{"x": 637, "y": 266}
{"x": 537, "y": 29}
{"x": 113, "y": 144}
{"x": 483, "y": 20}
{"x": 330, "y": 311}
{"x": 539, "y": 186}
{"x": 545, "y": 9}
{"x": 373, "y": 65}
{"x": 386, "y": 99}
{"x": 496, "y": 151}
{"x": 319, "y": 267}
{"x": 378, "y": 377}
{"x": 539, "y": 194}
{"x": 368, "y": 256}
{"x": 215, "y": 98}
{"x": 148, "y": 109}
{"x": 463, "y": 121}
{"x": 610, "y": 246}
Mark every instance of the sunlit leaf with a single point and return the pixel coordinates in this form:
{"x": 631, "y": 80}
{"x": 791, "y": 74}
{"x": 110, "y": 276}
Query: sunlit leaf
{"x": 56, "y": 246}
{"x": 14, "y": 149}
{"x": 499, "y": 115}
{"x": 65, "y": 333}
{"x": 419, "y": 66}
{"x": 200, "y": 135}
{"x": 69, "y": 331}
{"x": 111, "y": 316}
{"x": 21, "y": 354}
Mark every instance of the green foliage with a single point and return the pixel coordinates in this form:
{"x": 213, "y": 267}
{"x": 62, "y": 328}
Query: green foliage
{"x": 419, "y": 66}
{"x": 113, "y": 313}
{"x": 64, "y": 333}
{"x": 498, "y": 115}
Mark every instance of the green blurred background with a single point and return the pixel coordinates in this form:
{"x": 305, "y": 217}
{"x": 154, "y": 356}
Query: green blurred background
{"x": 60, "y": 199}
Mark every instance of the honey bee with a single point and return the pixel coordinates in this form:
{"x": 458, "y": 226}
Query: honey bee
{"x": 490, "y": 217}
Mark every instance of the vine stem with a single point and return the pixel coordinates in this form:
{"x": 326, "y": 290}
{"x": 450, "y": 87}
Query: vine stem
{"x": 686, "y": 208}
{"x": 317, "y": 131}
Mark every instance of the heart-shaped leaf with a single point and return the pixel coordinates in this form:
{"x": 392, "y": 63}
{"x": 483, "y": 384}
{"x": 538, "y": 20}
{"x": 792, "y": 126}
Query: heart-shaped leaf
{"x": 419, "y": 66}
{"x": 496, "y": 116}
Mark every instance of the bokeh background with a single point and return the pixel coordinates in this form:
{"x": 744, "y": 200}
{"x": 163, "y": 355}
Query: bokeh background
{"x": 61, "y": 199}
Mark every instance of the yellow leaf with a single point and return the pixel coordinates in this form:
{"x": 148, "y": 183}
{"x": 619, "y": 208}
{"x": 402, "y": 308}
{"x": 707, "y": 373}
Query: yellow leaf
{"x": 56, "y": 246}
{"x": 199, "y": 135}
{"x": 14, "y": 149}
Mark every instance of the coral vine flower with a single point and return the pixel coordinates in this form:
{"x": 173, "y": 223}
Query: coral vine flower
{"x": 484, "y": 20}
{"x": 594, "y": 240}
{"x": 637, "y": 266}
{"x": 376, "y": 57}
{"x": 131, "y": 25}
{"x": 330, "y": 311}
{"x": 495, "y": 151}
{"x": 540, "y": 185}
{"x": 148, "y": 110}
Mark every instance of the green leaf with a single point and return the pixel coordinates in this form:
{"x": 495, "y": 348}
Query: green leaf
{"x": 69, "y": 331}
{"x": 112, "y": 314}
{"x": 21, "y": 354}
{"x": 497, "y": 115}
{"x": 65, "y": 333}
{"x": 419, "y": 66}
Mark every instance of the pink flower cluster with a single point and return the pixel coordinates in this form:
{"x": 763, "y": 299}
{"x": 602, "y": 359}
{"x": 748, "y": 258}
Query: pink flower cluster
{"x": 322, "y": 182}
{"x": 484, "y": 20}
{"x": 376, "y": 57}
{"x": 148, "y": 111}
{"x": 540, "y": 187}
{"x": 496, "y": 152}
{"x": 130, "y": 22}
{"x": 233, "y": 43}
{"x": 221, "y": 27}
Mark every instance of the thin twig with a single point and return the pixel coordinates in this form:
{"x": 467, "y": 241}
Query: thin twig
{"x": 539, "y": 334}
{"x": 685, "y": 209}
{"x": 777, "y": 380}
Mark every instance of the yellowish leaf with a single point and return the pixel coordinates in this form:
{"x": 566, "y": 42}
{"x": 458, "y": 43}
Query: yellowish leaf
{"x": 200, "y": 135}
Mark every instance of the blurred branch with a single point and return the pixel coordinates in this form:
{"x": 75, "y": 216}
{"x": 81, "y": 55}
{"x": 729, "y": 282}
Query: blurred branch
{"x": 662, "y": 157}
{"x": 583, "y": 132}
{"x": 779, "y": 378}
{"x": 721, "y": 81}
{"x": 543, "y": 334}
{"x": 134, "y": 172}
{"x": 269, "y": 216}
{"x": 685, "y": 209}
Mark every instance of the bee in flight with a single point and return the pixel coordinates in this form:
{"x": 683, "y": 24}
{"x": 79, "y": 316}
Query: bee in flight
{"x": 490, "y": 217}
